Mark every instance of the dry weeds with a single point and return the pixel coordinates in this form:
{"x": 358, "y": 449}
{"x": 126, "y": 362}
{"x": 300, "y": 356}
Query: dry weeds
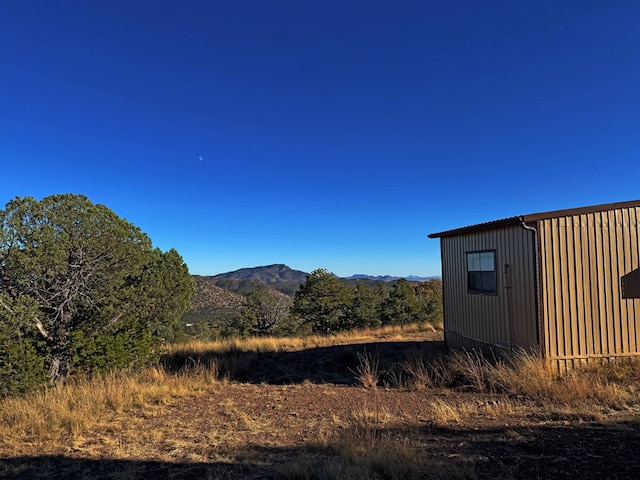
{"x": 196, "y": 416}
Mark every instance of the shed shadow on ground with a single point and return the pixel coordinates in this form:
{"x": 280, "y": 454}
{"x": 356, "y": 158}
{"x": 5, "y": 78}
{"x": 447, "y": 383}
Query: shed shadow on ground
{"x": 336, "y": 364}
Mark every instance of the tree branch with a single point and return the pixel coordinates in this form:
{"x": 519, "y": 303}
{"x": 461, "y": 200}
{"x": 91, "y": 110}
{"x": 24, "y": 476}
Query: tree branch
{"x": 36, "y": 320}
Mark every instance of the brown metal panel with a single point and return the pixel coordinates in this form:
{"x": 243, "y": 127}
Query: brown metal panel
{"x": 543, "y": 260}
{"x": 564, "y": 317}
{"x": 549, "y": 289}
{"x": 628, "y": 329}
{"x": 558, "y": 311}
{"x": 571, "y": 280}
{"x": 608, "y": 252}
{"x": 584, "y": 285}
{"x": 583, "y": 258}
{"x": 634, "y": 248}
{"x": 594, "y": 290}
{"x": 488, "y": 318}
{"x": 567, "y": 285}
{"x": 601, "y": 293}
{"x": 516, "y": 299}
{"x": 623, "y": 325}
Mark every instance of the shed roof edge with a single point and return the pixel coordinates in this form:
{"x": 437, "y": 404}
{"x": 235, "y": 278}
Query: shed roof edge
{"x": 534, "y": 217}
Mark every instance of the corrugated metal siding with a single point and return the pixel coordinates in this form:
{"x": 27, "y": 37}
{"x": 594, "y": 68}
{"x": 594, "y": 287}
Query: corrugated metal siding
{"x": 508, "y": 318}
{"x": 583, "y": 258}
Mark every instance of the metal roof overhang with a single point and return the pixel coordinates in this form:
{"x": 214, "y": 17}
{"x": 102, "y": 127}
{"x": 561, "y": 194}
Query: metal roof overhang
{"x": 534, "y": 217}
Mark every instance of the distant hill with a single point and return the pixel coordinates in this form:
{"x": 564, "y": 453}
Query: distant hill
{"x": 268, "y": 274}
{"x": 212, "y": 306}
{"x": 279, "y": 277}
{"x": 389, "y": 278}
{"x": 280, "y": 273}
{"x": 221, "y": 296}
{"x": 209, "y": 294}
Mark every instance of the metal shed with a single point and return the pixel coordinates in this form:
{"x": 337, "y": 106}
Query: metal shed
{"x": 566, "y": 282}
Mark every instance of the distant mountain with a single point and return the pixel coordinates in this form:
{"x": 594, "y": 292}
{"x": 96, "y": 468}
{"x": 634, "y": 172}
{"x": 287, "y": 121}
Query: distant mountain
{"x": 280, "y": 273}
{"x": 415, "y": 278}
{"x": 389, "y": 278}
{"x": 278, "y": 277}
{"x": 220, "y": 297}
{"x": 268, "y": 274}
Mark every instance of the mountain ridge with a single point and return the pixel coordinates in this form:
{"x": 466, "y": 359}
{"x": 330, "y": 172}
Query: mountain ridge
{"x": 279, "y": 272}
{"x": 275, "y": 273}
{"x": 221, "y": 297}
{"x": 389, "y": 278}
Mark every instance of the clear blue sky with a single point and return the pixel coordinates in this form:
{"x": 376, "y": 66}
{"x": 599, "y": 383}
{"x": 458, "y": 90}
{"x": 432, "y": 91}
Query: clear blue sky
{"x": 324, "y": 134}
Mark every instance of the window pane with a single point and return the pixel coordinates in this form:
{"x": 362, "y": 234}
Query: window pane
{"x": 475, "y": 281}
{"x": 473, "y": 262}
{"x": 487, "y": 263}
{"x": 489, "y": 282}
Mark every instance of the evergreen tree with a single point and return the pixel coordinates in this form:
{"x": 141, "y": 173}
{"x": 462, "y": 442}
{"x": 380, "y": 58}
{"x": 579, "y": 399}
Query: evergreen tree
{"x": 22, "y": 357}
{"x": 265, "y": 309}
{"x": 103, "y": 295}
{"x": 402, "y": 306}
{"x": 367, "y": 305}
{"x": 429, "y": 296}
{"x": 323, "y": 301}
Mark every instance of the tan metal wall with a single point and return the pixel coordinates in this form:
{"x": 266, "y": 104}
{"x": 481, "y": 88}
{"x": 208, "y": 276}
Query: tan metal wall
{"x": 508, "y": 318}
{"x": 583, "y": 259}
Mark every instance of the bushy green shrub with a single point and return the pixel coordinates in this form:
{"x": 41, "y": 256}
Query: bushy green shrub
{"x": 22, "y": 363}
{"x": 86, "y": 284}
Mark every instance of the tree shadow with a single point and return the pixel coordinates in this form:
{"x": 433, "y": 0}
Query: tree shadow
{"x": 337, "y": 364}
{"x": 62, "y": 467}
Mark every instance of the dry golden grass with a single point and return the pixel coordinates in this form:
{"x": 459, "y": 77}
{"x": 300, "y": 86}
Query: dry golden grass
{"x": 81, "y": 403}
{"x": 63, "y": 412}
{"x": 128, "y": 412}
{"x": 451, "y": 411}
{"x": 609, "y": 385}
{"x": 361, "y": 448}
{"x": 43, "y": 418}
{"x": 528, "y": 375}
{"x": 368, "y": 370}
{"x": 289, "y": 344}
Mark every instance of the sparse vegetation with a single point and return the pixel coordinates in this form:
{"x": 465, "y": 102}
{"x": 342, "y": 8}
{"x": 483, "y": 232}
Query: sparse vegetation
{"x": 285, "y": 304}
{"x": 196, "y": 416}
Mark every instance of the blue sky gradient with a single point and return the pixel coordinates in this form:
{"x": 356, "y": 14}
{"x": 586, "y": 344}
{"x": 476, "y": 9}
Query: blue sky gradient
{"x": 320, "y": 134}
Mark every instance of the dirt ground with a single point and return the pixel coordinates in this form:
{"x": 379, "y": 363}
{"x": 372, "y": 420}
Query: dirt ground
{"x": 519, "y": 445}
{"x": 287, "y": 423}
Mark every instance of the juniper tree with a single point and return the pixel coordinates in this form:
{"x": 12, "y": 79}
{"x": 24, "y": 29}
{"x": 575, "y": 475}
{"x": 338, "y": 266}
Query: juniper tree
{"x": 323, "y": 301}
{"x": 98, "y": 284}
{"x": 265, "y": 309}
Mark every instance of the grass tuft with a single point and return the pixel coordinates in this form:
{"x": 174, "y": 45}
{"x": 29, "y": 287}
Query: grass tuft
{"x": 525, "y": 374}
{"x": 368, "y": 370}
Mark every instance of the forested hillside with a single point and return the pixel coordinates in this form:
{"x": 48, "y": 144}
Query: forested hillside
{"x": 276, "y": 300}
